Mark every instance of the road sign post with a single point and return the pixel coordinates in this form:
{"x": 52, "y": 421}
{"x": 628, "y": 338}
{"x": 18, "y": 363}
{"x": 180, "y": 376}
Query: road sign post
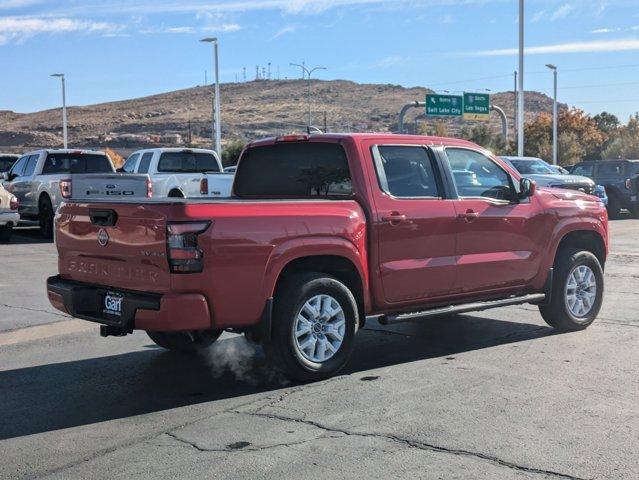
{"x": 477, "y": 106}
{"x": 444, "y": 105}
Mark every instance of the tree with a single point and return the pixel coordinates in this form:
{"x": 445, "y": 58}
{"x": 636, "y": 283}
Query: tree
{"x": 231, "y": 153}
{"x": 482, "y": 135}
{"x": 626, "y": 142}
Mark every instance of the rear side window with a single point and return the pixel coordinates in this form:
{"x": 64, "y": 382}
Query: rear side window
{"x": 609, "y": 169}
{"x": 300, "y": 169}
{"x": 584, "y": 170}
{"x": 187, "y": 162}
{"x": 405, "y": 171}
{"x": 633, "y": 168}
{"x": 76, "y": 163}
{"x": 145, "y": 162}
{"x": 129, "y": 165}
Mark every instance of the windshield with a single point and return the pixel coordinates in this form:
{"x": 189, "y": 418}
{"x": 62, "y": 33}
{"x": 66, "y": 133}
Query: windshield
{"x": 76, "y": 163}
{"x": 532, "y": 167}
{"x": 188, "y": 162}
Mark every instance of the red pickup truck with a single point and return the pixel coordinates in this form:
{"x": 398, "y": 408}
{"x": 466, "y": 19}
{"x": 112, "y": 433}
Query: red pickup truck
{"x": 323, "y": 231}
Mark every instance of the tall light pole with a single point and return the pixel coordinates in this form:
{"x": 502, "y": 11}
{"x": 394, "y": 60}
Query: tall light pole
{"x": 308, "y": 75}
{"x": 216, "y": 126}
{"x": 64, "y": 108}
{"x": 520, "y": 96}
{"x": 554, "y": 114}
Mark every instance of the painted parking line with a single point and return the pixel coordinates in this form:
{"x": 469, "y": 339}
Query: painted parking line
{"x": 41, "y": 332}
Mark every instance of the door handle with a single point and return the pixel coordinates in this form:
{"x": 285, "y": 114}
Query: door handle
{"x": 394, "y": 218}
{"x": 469, "y": 216}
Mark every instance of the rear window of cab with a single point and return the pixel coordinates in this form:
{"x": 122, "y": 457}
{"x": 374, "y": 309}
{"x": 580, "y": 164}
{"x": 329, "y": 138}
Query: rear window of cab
{"x": 294, "y": 170}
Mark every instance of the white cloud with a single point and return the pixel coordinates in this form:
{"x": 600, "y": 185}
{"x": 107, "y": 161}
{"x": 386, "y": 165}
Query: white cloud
{"x": 619, "y": 45}
{"x": 7, "y": 4}
{"x": 446, "y": 19}
{"x": 20, "y": 28}
{"x": 538, "y": 16}
{"x": 390, "y": 61}
{"x": 284, "y": 31}
{"x": 562, "y": 12}
{"x": 180, "y": 30}
{"x": 223, "y": 28}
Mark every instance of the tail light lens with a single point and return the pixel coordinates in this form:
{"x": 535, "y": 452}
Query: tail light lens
{"x": 185, "y": 255}
{"x": 65, "y": 188}
{"x": 628, "y": 183}
{"x": 13, "y": 203}
{"x": 149, "y": 188}
{"x": 204, "y": 186}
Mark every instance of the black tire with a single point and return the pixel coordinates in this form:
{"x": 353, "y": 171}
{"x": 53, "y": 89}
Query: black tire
{"x": 175, "y": 194}
{"x": 45, "y": 217}
{"x": 5, "y": 233}
{"x": 614, "y": 207}
{"x": 291, "y": 296}
{"x": 556, "y": 313}
{"x": 185, "y": 342}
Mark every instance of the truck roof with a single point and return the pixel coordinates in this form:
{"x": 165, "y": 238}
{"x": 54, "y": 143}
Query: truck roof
{"x": 66, "y": 150}
{"x": 176, "y": 149}
{"x": 359, "y": 137}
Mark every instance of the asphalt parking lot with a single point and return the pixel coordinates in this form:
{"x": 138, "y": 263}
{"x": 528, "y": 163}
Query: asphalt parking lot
{"x": 493, "y": 395}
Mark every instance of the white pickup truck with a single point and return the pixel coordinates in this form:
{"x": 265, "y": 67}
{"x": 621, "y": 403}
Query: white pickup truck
{"x": 181, "y": 172}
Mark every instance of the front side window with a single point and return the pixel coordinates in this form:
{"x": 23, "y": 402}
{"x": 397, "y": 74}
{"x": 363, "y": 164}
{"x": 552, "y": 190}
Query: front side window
{"x": 129, "y": 165}
{"x": 18, "y": 167}
{"x": 297, "y": 169}
{"x": 476, "y": 175}
{"x": 187, "y": 162}
{"x": 406, "y": 171}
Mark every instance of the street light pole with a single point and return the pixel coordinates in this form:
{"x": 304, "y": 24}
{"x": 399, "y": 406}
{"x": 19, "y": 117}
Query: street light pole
{"x": 520, "y": 95}
{"x": 216, "y": 126}
{"x": 554, "y": 114}
{"x": 308, "y": 75}
{"x": 64, "y": 108}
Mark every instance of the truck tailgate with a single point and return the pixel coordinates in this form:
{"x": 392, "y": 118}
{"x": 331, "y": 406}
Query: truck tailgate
{"x": 114, "y": 244}
{"x": 90, "y": 187}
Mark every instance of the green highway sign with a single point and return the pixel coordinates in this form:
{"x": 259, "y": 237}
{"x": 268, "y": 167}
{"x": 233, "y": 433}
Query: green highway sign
{"x": 476, "y": 106}
{"x": 444, "y": 105}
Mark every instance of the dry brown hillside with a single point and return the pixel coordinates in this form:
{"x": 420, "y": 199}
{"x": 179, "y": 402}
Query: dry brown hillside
{"x": 249, "y": 110}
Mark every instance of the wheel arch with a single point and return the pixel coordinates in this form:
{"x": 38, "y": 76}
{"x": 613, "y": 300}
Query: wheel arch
{"x": 176, "y": 189}
{"x": 588, "y": 240}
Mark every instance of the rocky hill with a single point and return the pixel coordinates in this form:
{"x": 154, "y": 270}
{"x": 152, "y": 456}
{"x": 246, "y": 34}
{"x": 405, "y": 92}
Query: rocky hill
{"x": 249, "y": 110}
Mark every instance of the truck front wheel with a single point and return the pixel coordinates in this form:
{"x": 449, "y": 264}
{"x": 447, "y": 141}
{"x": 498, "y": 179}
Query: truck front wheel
{"x": 577, "y": 291}
{"x": 185, "y": 342}
{"x": 315, "y": 319}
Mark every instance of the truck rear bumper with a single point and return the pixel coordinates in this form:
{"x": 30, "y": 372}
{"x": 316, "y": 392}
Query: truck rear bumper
{"x": 140, "y": 311}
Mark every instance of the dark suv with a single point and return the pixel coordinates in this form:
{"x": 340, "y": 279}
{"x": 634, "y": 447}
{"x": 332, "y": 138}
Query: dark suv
{"x": 621, "y": 180}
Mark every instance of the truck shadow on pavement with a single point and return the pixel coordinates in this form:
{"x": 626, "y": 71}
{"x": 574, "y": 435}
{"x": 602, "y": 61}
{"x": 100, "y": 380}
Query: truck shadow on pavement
{"x": 55, "y": 396}
{"x": 24, "y": 235}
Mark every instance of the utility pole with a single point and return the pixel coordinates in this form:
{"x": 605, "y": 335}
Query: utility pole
{"x": 244, "y": 74}
{"x": 278, "y": 72}
{"x": 206, "y": 80}
{"x": 520, "y": 99}
{"x": 64, "y": 108}
{"x": 308, "y": 73}
{"x": 515, "y": 109}
{"x": 216, "y": 132}
{"x": 268, "y": 76}
{"x": 554, "y": 113}
{"x": 257, "y": 72}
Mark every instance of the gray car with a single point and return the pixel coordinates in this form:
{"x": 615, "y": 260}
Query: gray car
{"x": 35, "y": 179}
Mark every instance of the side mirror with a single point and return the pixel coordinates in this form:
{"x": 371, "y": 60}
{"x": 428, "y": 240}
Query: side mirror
{"x": 119, "y": 170}
{"x": 527, "y": 188}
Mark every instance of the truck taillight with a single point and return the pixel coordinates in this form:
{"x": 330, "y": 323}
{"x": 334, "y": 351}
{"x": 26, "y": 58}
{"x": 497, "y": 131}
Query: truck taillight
{"x": 628, "y": 183}
{"x": 149, "y": 188}
{"x": 204, "y": 186}
{"x": 185, "y": 255}
{"x": 13, "y": 203}
{"x": 65, "y": 188}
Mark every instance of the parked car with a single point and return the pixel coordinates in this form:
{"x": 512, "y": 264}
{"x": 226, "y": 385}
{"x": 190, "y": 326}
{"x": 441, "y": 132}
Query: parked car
{"x": 181, "y": 172}
{"x": 560, "y": 169}
{"x": 9, "y": 216}
{"x": 620, "y": 179}
{"x": 232, "y": 169}
{"x": 6, "y": 161}
{"x": 323, "y": 231}
{"x": 38, "y": 178}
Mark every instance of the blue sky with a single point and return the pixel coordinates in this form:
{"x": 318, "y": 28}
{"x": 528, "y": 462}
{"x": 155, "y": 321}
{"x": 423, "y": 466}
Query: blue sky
{"x": 118, "y": 49}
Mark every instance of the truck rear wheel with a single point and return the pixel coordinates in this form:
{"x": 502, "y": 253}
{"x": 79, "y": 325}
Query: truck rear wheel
{"x": 577, "y": 291}
{"x": 45, "y": 217}
{"x": 315, "y": 319}
{"x": 185, "y": 342}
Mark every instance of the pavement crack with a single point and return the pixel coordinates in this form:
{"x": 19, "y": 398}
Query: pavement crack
{"x": 426, "y": 446}
{"x": 6, "y": 305}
